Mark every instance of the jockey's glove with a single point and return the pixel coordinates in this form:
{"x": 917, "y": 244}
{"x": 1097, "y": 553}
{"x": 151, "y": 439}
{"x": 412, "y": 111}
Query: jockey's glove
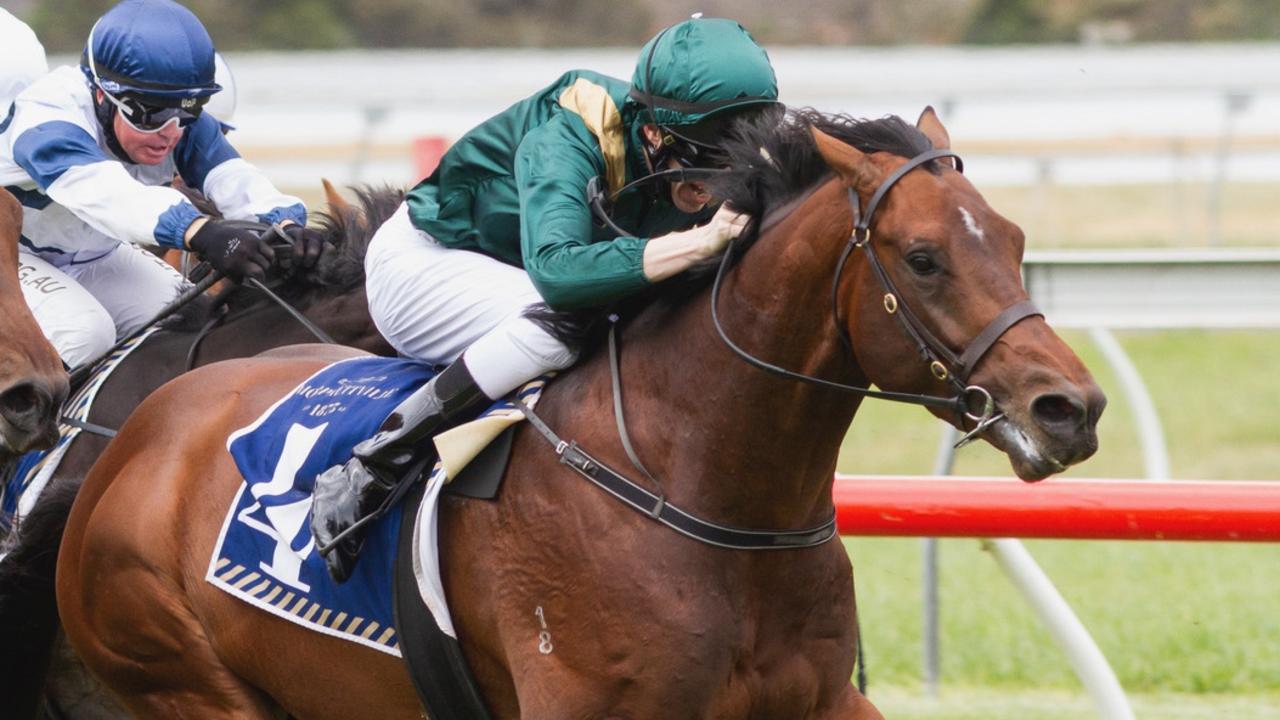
{"x": 307, "y": 246}
{"x": 235, "y": 251}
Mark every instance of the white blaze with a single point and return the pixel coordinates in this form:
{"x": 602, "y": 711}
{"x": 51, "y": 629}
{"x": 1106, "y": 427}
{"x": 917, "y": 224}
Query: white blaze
{"x": 971, "y": 225}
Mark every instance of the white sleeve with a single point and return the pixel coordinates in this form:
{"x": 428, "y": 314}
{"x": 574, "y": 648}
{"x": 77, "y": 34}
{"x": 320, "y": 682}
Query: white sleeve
{"x": 114, "y": 203}
{"x": 64, "y": 160}
{"x": 242, "y": 192}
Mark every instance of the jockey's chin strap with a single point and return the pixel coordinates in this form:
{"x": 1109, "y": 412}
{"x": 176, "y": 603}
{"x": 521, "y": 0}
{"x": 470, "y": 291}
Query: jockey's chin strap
{"x": 655, "y": 505}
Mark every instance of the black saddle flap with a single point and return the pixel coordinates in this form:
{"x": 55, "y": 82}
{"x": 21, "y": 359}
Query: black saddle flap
{"x": 482, "y": 476}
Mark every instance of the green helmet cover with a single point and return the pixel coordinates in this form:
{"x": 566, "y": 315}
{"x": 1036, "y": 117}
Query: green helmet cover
{"x": 701, "y": 67}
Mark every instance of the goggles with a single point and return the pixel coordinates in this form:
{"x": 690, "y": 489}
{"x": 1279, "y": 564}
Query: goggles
{"x": 150, "y": 119}
{"x": 690, "y": 154}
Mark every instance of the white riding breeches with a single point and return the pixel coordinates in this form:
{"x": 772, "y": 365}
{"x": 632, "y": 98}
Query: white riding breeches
{"x": 434, "y": 304}
{"x": 83, "y": 308}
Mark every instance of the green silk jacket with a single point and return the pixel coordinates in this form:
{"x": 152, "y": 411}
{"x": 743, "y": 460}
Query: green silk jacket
{"x": 515, "y": 186}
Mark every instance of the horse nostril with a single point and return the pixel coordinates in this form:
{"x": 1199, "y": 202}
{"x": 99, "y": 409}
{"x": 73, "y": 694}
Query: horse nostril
{"x": 19, "y": 400}
{"x": 1057, "y": 413}
{"x": 23, "y": 402}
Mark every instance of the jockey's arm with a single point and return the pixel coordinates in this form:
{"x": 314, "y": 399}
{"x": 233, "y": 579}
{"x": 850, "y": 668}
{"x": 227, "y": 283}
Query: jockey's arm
{"x": 66, "y": 163}
{"x": 240, "y": 191}
{"x": 568, "y": 269}
{"x": 676, "y": 252}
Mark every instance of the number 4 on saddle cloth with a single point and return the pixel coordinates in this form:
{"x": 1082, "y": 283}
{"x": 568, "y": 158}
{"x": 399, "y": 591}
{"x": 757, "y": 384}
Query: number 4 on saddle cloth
{"x": 265, "y": 554}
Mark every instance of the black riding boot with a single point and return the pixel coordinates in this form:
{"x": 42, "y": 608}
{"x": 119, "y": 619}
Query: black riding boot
{"x": 346, "y": 493}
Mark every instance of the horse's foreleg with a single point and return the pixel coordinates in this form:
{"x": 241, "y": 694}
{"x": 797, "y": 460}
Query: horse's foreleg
{"x": 145, "y": 643}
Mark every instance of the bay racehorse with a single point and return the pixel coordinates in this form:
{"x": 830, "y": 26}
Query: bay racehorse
{"x": 33, "y": 382}
{"x": 567, "y": 602}
{"x": 242, "y": 322}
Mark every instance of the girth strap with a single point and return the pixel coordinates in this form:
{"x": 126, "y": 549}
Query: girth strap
{"x": 655, "y": 507}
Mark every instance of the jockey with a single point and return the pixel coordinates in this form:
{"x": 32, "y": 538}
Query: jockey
{"x": 90, "y": 153}
{"x": 504, "y": 224}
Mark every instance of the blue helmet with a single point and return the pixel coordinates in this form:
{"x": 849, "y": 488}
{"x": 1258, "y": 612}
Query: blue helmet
{"x": 152, "y": 49}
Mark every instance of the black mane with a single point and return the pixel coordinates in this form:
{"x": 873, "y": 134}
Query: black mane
{"x": 350, "y": 232}
{"x": 772, "y": 158}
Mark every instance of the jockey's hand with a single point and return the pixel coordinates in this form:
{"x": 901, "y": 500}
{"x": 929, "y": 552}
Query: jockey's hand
{"x": 676, "y": 252}
{"x": 724, "y": 226}
{"x": 308, "y": 246}
{"x": 237, "y": 252}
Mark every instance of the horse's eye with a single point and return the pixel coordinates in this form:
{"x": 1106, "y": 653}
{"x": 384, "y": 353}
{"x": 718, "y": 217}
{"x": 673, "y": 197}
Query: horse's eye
{"x": 922, "y": 263}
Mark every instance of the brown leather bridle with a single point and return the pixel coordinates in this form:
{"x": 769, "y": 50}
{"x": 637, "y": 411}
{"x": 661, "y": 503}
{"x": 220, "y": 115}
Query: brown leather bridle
{"x": 944, "y": 364}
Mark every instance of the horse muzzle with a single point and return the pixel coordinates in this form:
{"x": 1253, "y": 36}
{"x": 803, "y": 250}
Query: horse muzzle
{"x": 29, "y": 412}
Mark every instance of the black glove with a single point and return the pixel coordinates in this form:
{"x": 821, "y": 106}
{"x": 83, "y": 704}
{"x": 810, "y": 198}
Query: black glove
{"x": 307, "y": 246}
{"x": 234, "y": 250}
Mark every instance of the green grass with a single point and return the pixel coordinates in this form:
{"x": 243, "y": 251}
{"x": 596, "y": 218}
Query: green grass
{"x": 1191, "y": 628}
{"x": 986, "y": 704}
{"x": 1172, "y": 617}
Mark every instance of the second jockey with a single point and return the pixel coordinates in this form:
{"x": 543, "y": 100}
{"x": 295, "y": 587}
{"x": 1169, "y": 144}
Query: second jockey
{"x": 505, "y": 224}
{"x": 91, "y": 151}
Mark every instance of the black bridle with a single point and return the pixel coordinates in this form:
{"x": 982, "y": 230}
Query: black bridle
{"x": 944, "y": 364}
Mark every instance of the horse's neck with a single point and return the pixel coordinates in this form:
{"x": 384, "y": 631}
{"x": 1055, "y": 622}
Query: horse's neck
{"x": 732, "y": 441}
{"x": 343, "y": 316}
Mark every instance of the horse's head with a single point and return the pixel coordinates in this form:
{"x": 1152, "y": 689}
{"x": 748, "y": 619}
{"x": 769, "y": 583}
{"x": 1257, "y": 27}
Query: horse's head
{"x": 33, "y": 383}
{"x": 952, "y": 266}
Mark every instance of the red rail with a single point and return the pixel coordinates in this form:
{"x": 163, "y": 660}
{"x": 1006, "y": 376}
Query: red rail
{"x": 1058, "y": 508}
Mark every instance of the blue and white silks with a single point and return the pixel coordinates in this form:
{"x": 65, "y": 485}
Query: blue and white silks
{"x": 79, "y": 200}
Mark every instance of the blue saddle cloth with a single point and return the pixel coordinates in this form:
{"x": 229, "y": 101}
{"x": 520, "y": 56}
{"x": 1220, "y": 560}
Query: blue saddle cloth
{"x": 265, "y": 554}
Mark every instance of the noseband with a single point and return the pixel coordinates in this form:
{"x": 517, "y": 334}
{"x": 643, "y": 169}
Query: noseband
{"x": 944, "y": 364}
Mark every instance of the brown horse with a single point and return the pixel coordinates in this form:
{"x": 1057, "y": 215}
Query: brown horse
{"x": 640, "y": 621}
{"x": 332, "y": 297}
{"x": 33, "y": 383}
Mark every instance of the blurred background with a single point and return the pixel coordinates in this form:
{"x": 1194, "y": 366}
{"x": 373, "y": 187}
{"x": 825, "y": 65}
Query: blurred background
{"x": 1097, "y": 125}
{"x": 1172, "y": 105}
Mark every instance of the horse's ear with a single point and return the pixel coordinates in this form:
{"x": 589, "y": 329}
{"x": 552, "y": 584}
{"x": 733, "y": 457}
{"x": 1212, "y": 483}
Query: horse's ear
{"x": 338, "y": 205}
{"x": 850, "y": 163}
{"x": 931, "y": 126}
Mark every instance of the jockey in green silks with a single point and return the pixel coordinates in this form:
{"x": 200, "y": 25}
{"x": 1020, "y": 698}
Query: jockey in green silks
{"x": 505, "y": 224}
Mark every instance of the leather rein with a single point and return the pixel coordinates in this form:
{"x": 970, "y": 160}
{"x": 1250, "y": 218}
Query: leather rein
{"x": 944, "y": 364}
{"x": 186, "y": 297}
